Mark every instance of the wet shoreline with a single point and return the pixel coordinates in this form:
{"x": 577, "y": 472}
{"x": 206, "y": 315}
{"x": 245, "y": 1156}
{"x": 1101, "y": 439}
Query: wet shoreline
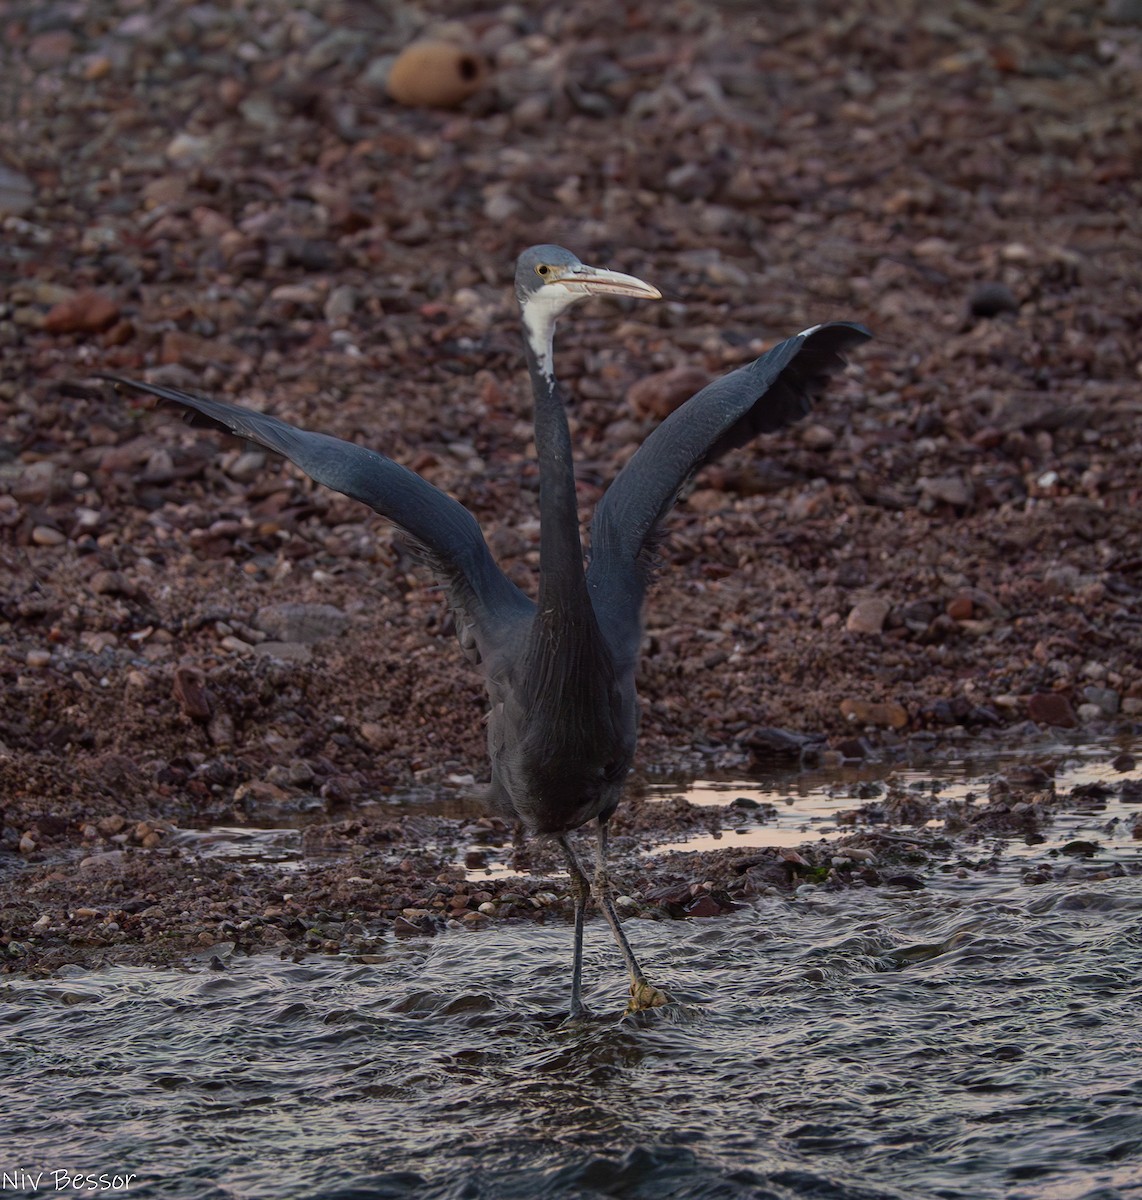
{"x": 149, "y": 892}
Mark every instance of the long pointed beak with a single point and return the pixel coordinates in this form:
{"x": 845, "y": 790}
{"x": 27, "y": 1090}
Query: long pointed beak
{"x": 598, "y": 281}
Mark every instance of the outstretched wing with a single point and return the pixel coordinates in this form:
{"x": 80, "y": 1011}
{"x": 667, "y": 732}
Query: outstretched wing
{"x": 444, "y": 533}
{"x": 761, "y": 397}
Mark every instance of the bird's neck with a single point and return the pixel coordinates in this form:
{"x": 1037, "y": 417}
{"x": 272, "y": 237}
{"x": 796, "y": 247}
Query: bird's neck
{"x": 563, "y": 592}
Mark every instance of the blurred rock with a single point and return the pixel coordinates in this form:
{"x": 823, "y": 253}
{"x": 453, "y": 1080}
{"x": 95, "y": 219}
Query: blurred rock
{"x": 52, "y": 48}
{"x": 86, "y": 312}
{"x": 17, "y": 192}
{"x": 435, "y": 75}
{"x": 660, "y": 394}
{"x": 868, "y": 616}
{"x": 191, "y": 694}
{"x": 1052, "y": 708}
{"x": 1106, "y": 699}
{"x": 818, "y": 437}
{"x": 886, "y": 715}
{"x": 292, "y": 622}
{"x": 38, "y": 482}
{"x": 947, "y": 489}
{"x": 991, "y": 299}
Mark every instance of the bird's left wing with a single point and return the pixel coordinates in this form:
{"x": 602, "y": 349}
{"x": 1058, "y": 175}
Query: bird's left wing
{"x": 443, "y": 532}
{"x": 761, "y": 397}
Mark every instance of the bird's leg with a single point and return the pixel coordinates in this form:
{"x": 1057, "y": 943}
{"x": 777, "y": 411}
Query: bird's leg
{"x": 643, "y": 995}
{"x": 580, "y": 889}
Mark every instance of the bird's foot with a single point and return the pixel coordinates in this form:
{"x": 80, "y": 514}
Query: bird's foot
{"x": 579, "y": 1012}
{"x": 645, "y": 995}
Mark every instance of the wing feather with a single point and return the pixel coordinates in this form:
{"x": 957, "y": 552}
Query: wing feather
{"x": 761, "y": 397}
{"x": 444, "y": 534}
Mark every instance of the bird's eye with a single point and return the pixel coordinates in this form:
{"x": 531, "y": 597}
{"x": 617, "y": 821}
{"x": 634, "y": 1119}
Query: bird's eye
{"x": 543, "y": 269}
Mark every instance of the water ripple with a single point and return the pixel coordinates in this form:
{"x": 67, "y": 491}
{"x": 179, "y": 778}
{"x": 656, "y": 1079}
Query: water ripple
{"x": 877, "y": 1046}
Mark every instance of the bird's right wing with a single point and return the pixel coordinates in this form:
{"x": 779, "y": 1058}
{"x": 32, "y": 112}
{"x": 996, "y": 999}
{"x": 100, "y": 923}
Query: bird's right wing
{"x": 761, "y": 397}
{"x": 444, "y": 534}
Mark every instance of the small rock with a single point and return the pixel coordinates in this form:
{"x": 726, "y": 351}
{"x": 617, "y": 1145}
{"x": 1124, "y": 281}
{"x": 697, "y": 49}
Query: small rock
{"x": 159, "y": 467}
{"x": 660, "y": 394}
{"x": 109, "y": 860}
{"x": 296, "y": 652}
{"x": 85, "y": 312}
{"x": 1106, "y": 699}
{"x": 1051, "y": 708}
{"x": 818, "y": 437}
{"x": 165, "y": 190}
{"x": 435, "y": 75}
{"x": 947, "y": 489}
{"x": 38, "y": 659}
{"x": 501, "y": 206}
{"x": 912, "y": 883}
{"x": 767, "y": 744}
{"x": 868, "y": 616}
{"x": 36, "y": 483}
{"x": 300, "y": 294}
{"x": 110, "y": 583}
{"x": 187, "y": 149}
{"x": 991, "y": 299}
{"x": 340, "y": 305}
{"x": 97, "y": 67}
{"x": 17, "y": 193}
{"x": 887, "y": 714}
{"x": 960, "y": 608}
{"x": 220, "y": 729}
{"x": 45, "y": 535}
{"x": 52, "y": 48}
{"x": 191, "y": 694}
{"x": 295, "y": 622}
{"x": 1125, "y": 11}
{"x": 703, "y": 906}
{"x": 247, "y": 466}
{"x": 1061, "y": 579}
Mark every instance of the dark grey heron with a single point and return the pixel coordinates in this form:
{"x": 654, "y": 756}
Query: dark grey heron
{"x": 560, "y": 669}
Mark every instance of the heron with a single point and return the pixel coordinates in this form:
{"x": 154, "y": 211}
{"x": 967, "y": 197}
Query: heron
{"x": 560, "y": 669}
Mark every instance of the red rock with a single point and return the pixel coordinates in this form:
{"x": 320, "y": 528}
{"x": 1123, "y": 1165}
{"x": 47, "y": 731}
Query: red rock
{"x": 960, "y": 608}
{"x": 191, "y": 694}
{"x": 119, "y": 334}
{"x": 703, "y": 906}
{"x": 660, "y": 394}
{"x": 85, "y": 312}
{"x": 1051, "y": 708}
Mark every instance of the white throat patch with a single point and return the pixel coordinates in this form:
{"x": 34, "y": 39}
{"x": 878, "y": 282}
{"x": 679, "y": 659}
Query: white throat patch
{"x": 540, "y": 312}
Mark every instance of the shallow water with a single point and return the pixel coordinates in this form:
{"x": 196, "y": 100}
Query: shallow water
{"x": 977, "y": 1039}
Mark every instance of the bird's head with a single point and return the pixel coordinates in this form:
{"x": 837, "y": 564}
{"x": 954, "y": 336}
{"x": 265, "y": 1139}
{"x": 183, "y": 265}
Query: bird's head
{"x": 549, "y": 280}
